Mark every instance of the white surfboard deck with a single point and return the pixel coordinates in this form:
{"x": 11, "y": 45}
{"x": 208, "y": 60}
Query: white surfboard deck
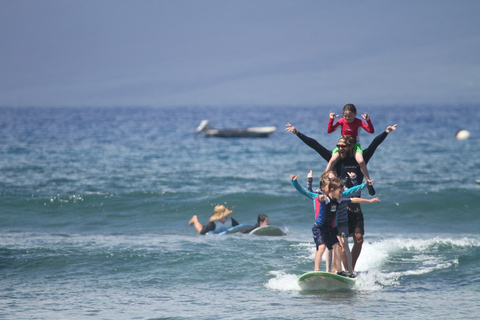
{"x": 268, "y": 231}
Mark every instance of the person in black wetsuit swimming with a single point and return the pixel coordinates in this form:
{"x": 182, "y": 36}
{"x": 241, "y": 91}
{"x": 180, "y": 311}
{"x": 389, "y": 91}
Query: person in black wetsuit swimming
{"x": 262, "y": 220}
{"x": 347, "y": 163}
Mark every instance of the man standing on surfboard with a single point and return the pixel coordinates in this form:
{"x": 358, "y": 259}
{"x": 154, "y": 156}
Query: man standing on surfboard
{"x": 347, "y": 164}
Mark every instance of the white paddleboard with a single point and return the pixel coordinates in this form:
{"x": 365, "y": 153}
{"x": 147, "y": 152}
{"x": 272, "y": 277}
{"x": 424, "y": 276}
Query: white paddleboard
{"x": 268, "y": 231}
{"x": 324, "y": 281}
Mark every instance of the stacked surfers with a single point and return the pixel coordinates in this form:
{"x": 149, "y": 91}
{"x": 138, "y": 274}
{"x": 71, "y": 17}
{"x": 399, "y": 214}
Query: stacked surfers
{"x": 337, "y": 203}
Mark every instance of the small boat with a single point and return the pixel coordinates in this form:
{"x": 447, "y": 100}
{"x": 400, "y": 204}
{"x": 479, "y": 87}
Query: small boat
{"x": 253, "y": 132}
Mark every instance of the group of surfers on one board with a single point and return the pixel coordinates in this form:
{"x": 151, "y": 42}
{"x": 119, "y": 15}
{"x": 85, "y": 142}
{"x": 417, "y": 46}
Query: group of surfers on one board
{"x": 337, "y": 203}
{"x": 338, "y": 214}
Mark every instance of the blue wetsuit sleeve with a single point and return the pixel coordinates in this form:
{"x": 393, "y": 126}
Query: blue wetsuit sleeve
{"x": 353, "y": 190}
{"x": 303, "y": 191}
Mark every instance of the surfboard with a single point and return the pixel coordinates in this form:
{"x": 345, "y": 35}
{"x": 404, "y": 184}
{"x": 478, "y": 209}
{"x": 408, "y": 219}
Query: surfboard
{"x": 477, "y": 181}
{"x": 268, "y": 231}
{"x": 238, "y": 228}
{"x": 324, "y": 281}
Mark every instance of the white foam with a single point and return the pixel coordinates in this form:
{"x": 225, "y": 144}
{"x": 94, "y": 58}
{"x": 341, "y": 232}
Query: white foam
{"x": 424, "y": 257}
{"x": 283, "y": 281}
{"x": 417, "y": 256}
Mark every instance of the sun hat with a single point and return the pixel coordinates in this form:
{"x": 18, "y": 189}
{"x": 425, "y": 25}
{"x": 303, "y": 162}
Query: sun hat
{"x": 220, "y": 212}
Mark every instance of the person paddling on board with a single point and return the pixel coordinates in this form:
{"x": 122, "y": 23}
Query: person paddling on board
{"x": 347, "y": 163}
{"x": 262, "y": 221}
{"x": 218, "y": 222}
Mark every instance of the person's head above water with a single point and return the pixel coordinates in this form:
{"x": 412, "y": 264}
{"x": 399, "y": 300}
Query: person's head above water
{"x": 220, "y": 212}
{"x": 263, "y": 220}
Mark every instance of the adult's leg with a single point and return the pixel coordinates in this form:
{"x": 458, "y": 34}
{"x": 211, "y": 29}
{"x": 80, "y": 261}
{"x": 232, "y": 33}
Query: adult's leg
{"x": 357, "y": 248}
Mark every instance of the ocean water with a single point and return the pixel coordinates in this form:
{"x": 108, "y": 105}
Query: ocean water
{"x": 95, "y": 204}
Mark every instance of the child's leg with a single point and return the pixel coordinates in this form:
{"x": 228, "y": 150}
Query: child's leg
{"x": 333, "y": 161}
{"x": 363, "y": 168}
{"x": 194, "y": 221}
{"x": 329, "y": 260}
{"x": 338, "y": 261}
{"x": 341, "y": 256}
{"x": 362, "y": 164}
{"x": 335, "y": 258}
{"x": 318, "y": 256}
{"x": 347, "y": 261}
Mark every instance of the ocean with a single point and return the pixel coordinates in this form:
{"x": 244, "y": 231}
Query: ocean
{"x": 95, "y": 204}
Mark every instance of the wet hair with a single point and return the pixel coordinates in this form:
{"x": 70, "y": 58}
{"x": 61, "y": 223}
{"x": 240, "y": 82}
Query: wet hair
{"x": 349, "y": 141}
{"x": 324, "y": 182}
{"x": 350, "y": 107}
{"x": 325, "y": 179}
{"x": 335, "y": 184}
{"x": 327, "y": 173}
{"x": 261, "y": 217}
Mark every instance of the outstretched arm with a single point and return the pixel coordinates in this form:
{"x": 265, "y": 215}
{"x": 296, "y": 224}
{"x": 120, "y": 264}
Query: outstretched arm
{"x": 312, "y": 143}
{"x": 301, "y": 189}
{"x": 353, "y": 191}
{"x": 362, "y": 200}
{"x": 370, "y": 150}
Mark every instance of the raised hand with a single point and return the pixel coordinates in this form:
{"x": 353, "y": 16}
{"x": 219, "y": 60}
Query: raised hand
{"x": 391, "y": 128}
{"x": 291, "y": 128}
{"x": 333, "y": 115}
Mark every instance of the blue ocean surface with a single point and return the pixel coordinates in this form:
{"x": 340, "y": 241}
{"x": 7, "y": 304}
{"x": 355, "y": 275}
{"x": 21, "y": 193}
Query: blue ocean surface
{"x": 95, "y": 204}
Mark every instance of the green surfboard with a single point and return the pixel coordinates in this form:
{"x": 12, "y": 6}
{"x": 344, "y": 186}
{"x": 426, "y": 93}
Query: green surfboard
{"x": 324, "y": 281}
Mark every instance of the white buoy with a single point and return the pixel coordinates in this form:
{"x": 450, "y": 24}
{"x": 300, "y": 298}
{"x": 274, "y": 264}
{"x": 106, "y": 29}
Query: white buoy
{"x": 462, "y": 135}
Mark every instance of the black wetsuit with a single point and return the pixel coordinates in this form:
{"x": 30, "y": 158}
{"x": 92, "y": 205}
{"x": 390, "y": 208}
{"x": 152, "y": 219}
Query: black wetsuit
{"x": 349, "y": 164}
{"x": 211, "y": 226}
{"x": 252, "y": 228}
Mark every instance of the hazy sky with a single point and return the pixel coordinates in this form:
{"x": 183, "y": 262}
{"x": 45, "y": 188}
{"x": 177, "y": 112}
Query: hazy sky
{"x": 239, "y": 53}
